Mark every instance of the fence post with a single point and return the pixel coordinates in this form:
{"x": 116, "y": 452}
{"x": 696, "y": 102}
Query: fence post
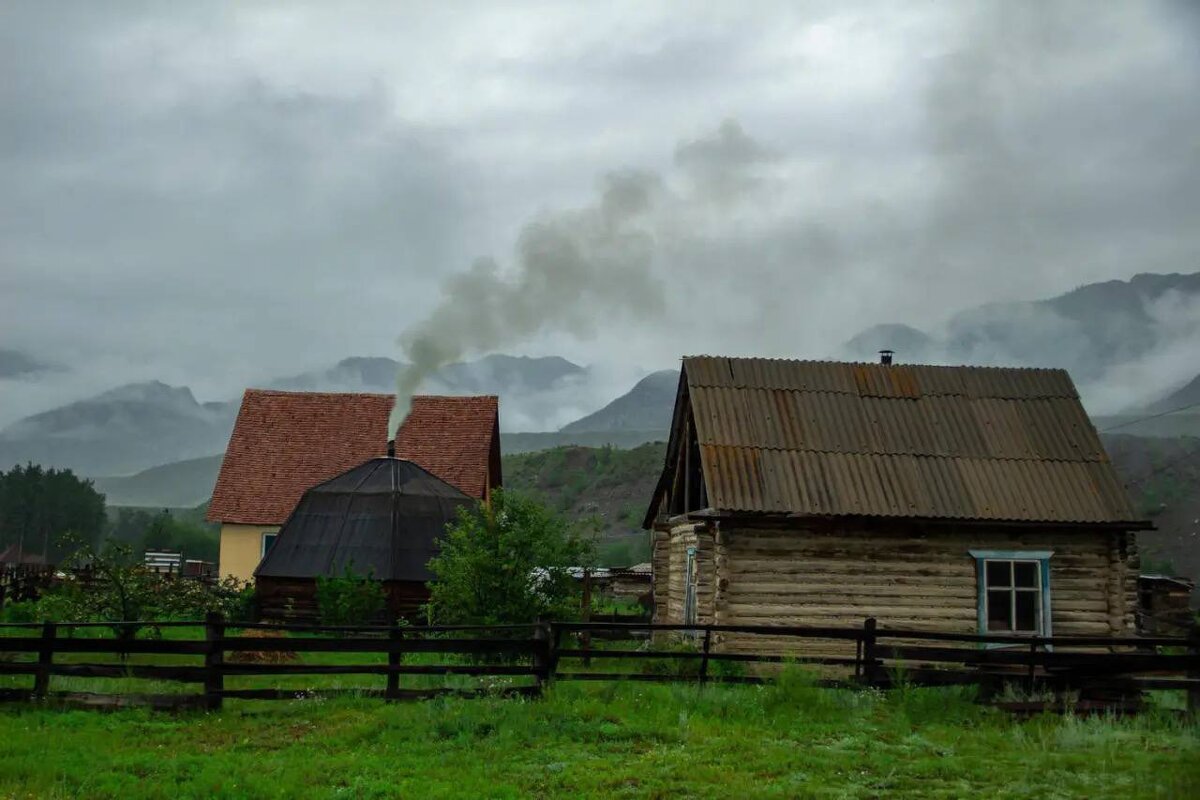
{"x": 868, "y": 651}
{"x": 541, "y": 653}
{"x": 704, "y": 656}
{"x": 1193, "y": 703}
{"x": 585, "y": 637}
{"x": 41, "y": 682}
{"x": 214, "y": 660}
{"x": 1033, "y": 646}
{"x": 395, "y": 636}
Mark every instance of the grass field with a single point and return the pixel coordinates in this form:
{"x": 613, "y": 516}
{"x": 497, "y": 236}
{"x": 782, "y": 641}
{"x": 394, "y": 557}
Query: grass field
{"x": 601, "y": 740}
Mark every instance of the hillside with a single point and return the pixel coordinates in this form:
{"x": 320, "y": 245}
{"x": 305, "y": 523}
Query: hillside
{"x": 604, "y": 484}
{"x": 1163, "y": 476}
{"x": 645, "y": 407}
{"x": 182, "y": 484}
{"x": 1187, "y": 396}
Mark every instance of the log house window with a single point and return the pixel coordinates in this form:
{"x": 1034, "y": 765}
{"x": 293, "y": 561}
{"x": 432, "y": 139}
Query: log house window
{"x": 1013, "y": 592}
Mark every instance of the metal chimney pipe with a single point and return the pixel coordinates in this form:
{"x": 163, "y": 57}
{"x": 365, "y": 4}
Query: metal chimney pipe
{"x": 391, "y": 448}
{"x": 885, "y": 356}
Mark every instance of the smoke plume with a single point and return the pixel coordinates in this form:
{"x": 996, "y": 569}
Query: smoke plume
{"x": 572, "y": 270}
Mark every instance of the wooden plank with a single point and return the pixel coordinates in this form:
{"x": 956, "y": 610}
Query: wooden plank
{"x": 41, "y": 683}
{"x": 376, "y": 669}
{"x": 405, "y": 694}
{"x": 147, "y": 671}
{"x": 195, "y": 647}
{"x": 405, "y": 645}
{"x": 18, "y": 668}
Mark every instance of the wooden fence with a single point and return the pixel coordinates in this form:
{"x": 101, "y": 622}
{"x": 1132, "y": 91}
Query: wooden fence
{"x": 547, "y": 651}
{"x": 20, "y": 582}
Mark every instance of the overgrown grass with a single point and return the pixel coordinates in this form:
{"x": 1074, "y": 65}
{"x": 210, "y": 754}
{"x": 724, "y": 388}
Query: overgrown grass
{"x": 788, "y": 739}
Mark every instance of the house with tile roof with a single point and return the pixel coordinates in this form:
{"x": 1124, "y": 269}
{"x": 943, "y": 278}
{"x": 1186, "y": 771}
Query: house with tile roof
{"x": 284, "y": 443}
{"x": 960, "y": 499}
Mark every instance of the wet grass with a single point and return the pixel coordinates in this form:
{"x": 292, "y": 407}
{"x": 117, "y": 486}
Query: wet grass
{"x": 786, "y": 739}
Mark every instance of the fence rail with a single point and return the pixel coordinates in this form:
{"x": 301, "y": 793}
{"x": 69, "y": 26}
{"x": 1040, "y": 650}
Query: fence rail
{"x": 542, "y": 652}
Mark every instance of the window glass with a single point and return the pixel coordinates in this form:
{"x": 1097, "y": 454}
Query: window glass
{"x": 1025, "y": 573}
{"x": 268, "y": 539}
{"x": 999, "y": 610}
{"x": 1027, "y": 611}
{"x": 999, "y": 573}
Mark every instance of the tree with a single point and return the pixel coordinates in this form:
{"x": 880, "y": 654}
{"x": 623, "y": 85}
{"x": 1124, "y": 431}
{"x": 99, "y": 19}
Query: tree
{"x": 119, "y": 588}
{"x": 38, "y": 506}
{"x": 507, "y": 562}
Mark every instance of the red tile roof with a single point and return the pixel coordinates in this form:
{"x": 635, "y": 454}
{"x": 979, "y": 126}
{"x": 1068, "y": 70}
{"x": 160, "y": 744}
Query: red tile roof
{"x": 285, "y": 442}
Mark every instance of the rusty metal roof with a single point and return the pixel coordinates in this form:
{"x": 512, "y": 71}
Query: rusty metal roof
{"x": 829, "y": 438}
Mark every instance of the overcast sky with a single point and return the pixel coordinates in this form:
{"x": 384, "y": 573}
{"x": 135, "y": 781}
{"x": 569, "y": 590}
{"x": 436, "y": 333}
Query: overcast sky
{"x": 210, "y": 194}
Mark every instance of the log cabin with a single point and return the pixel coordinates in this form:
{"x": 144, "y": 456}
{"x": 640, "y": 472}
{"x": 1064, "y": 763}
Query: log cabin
{"x": 284, "y": 443}
{"x": 960, "y": 499}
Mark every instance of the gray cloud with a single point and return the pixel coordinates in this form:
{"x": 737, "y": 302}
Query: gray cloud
{"x": 212, "y": 195}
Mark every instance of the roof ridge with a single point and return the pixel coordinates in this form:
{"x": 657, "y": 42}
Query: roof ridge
{"x": 840, "y": 362}
{"x": 310, "y": 393}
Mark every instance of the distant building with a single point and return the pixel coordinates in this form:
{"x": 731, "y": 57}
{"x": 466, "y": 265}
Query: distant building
{"x": 962, "y": 499}
{"x": 284, "y": 443}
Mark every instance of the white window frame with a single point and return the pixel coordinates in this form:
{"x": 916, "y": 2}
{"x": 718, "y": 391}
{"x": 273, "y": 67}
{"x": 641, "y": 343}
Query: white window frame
{"x": 262, "y": 543}
{"x": 1042, "y": 559}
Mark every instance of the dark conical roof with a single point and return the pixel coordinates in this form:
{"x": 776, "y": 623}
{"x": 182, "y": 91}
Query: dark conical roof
{"x": 382, "y": 518}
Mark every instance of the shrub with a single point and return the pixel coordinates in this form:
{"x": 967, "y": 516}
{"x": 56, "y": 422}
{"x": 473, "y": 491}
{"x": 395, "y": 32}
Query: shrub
{"x": 508, "y": 562}
{"x": 350, "y": 599}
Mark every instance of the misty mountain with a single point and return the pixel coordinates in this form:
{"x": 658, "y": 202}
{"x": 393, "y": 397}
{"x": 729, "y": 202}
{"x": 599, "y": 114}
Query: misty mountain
{"x": 123, "y": 430}
{"x": 908, "y": 342}
{"x": 183, "y": 484}
{"x": 1088, "y": 331}
{"x": 646, "y": 407}
{"x": 15, "y": 364}
{"x": 493, "y": 374}
{"x": 1187, "y": 396}
{"x": 142, "y": 425}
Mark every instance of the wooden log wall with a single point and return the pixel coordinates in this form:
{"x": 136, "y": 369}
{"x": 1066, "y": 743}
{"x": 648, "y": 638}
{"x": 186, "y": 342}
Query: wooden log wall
{"x": 905, "y": 578}
{"x": 670, "y": 570}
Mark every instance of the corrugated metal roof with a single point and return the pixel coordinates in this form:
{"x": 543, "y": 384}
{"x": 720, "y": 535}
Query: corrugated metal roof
{"x": 829, "y": 438}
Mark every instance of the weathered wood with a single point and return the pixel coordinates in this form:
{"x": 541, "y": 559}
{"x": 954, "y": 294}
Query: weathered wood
{"x": 214, "y": 629}
{"x": 376, "y": 669}
{"x": 41, "y": 683}
{"x": 541, "y": 654}
{"x": 870, "y": 657}
{"x": 378, "y": 645}
{"x": 148, "y": 671}
{"x": 392, "y": 692}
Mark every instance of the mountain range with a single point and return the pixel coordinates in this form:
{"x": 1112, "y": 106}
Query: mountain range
{"x": 1090, "y": 331}
{"x": 1096, "y": 331}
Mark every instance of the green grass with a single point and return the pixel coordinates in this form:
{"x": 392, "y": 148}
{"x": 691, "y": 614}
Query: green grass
{"x": 615, "y": 740}
{"x": 785, "y": 739}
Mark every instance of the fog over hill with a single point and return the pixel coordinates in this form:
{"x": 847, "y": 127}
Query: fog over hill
{"x": 1125, "y": 343}
{"x": 1130, "y": 345}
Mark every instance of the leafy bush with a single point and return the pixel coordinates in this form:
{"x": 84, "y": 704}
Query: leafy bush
{"x": 349, "y": 599}
{"x": 508, "y": 562}
{"x": 119, "y": 588}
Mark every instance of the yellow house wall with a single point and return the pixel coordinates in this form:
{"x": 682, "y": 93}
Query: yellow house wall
{"x": 241, "y": 549}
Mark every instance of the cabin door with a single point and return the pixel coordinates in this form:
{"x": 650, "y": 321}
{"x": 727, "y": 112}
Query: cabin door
{"x": 689, "y": 588}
